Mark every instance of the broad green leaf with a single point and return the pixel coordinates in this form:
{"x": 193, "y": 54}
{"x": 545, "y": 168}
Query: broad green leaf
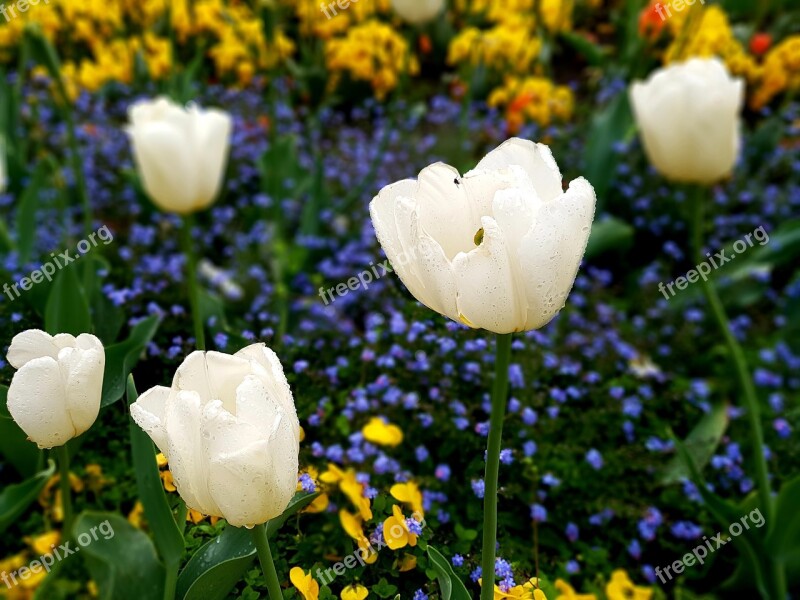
{"x": 168, "y": 537}
{"x": 783, "y": 540}
{"x": 124, "y": 566}
{"x": 67, "y": 309}
{"x": 17, "y": 497}
{"x": 15, "y": 447}
{"x": 123, "y": 356}
{"x": 701, "y": 443}
{"x": 451, "y": 586}
{"x": 26, "y": 212}
{"x": 594, "y": 54}
{"x": 217, "y": 566}
{"x": 609, "y": 234}
{"x": 609, "y": 126}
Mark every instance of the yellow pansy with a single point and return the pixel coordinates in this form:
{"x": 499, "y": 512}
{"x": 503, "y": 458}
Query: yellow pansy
{"x": 620, "y": 587}
{"x": 352, "y": 527}
{"x": 409, "y": 563}
{"x": 305, "y": 583}
{"x": 136, "y": 514}
{"x": 161, "y": 460}
{"x": 354, "y": 592}
{"x": 567, "y": 592}
{"x": 384, "y": 434}
{"x": 44, "y": 543}
{"x": 95, "y": 480}
{"x": 169, "y": 484}
{"x": 527, "y": 591}
{"x": 408, "y": 493}
{"x": 318, "y": 505}
{"x": 396, "y": 532}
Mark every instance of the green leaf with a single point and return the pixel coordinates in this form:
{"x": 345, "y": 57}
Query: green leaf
{"x": 26, "y": 212}
{"x": 17, "y": 497}
{"x": 168, "y": 537}
{"x": 123, "y": 356}
{"x": 120, "y": 558}
{"x": 783, "y": 539}
{"x": 609, "y": 234}
{"x": 14, "y": 444}
{"x": 384, "y": 589}
{"x": 590, "y": 51}
{"x": 451, "y": 586}
{"x": 67, "y": 309}
{"x": 608, "y": 127}
{"x": 701, "y": 443}
{"x": 217, "y": 566}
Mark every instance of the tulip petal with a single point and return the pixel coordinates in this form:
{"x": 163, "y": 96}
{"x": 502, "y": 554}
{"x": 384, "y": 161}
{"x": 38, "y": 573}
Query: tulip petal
{"x": 228, "y": 371}
{"x": 84, "y": 384}
{"x": 187, "y": 460}
{"x": 487, "y": 295}
{"x": 30, "y": 344}
{"x": 536, "y": 159}
{"x": 274, "y": 379}
{"x": 192, "y": 375}
{"x": 36, "y": 402}
{"x": 149, "y": 412}
{"x": 164, "y": 160}
{"x": 551, "y": 252}
{"x": 211, "y": 133}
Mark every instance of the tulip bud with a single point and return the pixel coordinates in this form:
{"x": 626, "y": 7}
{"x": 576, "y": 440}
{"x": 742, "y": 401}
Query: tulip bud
{"x": 689, "y": 118}
{"x": 55, "y": 394}
{"x": 229, "y": 430}
{"x": 417, "y": 12}
{"x": 497, "y": 248}
{"x": 180, "y": 153}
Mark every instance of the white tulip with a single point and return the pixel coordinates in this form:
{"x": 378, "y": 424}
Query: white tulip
{"x": 497, "y": 248}
{"x": 418, "y": 12}
{"x": 229, "y": 430}
{"x": 180, "y": 153}
{"x": 689, "y": 118}
{"x": 55, "y": 393}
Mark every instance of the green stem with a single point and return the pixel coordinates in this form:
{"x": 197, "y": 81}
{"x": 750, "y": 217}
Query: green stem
{"x": 171, "y": 580}
{"x": 745, "y": 380}
{"x": 499, "y": 397}
{"x": 267, "y": 564}
{"x": 187, "y": 244}
{"x": 66, "y": 494}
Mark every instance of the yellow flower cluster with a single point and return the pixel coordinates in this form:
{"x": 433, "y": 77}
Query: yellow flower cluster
{"x": 372, "y": 52}
{"x": 510, "y": 46}
{"x": 494, "y": 10}
{"x": 535, "y": 99}
{"x": 101, "y": 40}
{"x": 556, "y": 14}
{"x": 780, "y": 72}
{"x": 333, "y": 21}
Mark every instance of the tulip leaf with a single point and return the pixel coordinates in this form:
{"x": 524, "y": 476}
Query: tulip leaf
{"x": 16, "y": 498}
{"x": 450, "y": 585}
{"x": 217, "y": 566}
{"x": 609, "y": 126}
{"x": 26, "y": 212}
{"x": 123, "y": 356}
{"x": 701, "y": 443}
{"x": 67, "y": 309}
{"x": 783, "y": 540}
{"x": 166, "y": 534}
{"x": 15, "y": 447}
{"x": 120, "y": 558}
{"x": 608, "y": 234}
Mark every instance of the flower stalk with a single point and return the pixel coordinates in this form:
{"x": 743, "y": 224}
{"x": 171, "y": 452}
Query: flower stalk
{"x": 267, "y": 564}
{"x": 191, "y": 279}
{"x": 63, "y": 482}
{"x": 499, "y": 394}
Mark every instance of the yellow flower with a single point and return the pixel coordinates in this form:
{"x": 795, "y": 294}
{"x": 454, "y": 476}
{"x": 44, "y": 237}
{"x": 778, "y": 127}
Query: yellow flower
{"x": 354, "y": 592}
{"x": 526, "y": 591}
{"x": 396, "y": 532}
{"x": 352, "y": 527}
{"x": 384, "y": 434}
{"x": 166, "y": 478}
{"x": 408, "y": 493}
{"x": 305, "y": 584}
{"x": 350, "y": 487}
{"x": 409, "y": 563}
{"x": 95, "y": 480}
{"x": 620, "y": 587}
{"x": 567, "y": 592}
{"x": 44, "y": 543}
{"x": 135, "y": 516}
{"x": 318, "y": 505}
{"x": 161, "y": 460}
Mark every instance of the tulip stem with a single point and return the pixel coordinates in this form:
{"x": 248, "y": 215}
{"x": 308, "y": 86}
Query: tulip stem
{"x": 499, "y": 394}
{"x": 171, "y": 580}
{"x": 66, "y": 497}
{"x": 746, "y": 386}
{"x": 191, "y": 278}
{"x": 267, "y": 564}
